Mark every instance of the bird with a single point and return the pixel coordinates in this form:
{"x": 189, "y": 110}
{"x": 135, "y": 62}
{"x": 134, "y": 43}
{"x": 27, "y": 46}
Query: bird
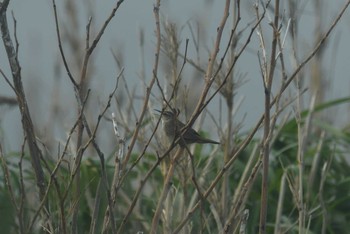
{"x": 172, "y": 128}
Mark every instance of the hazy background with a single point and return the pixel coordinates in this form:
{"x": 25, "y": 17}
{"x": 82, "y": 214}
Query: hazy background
{"x": 48, "y": 88}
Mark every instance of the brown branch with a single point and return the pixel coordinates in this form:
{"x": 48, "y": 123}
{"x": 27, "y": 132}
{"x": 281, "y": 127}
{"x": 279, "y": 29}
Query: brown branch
{"x": 109, "y": 215}
{"x": 149, "y": 88}
{"x": 80, "y": 93}
{"x": 27, "y": 124}
{"x": 229, "y": 96}
{"x": 208, "y": 76}
{"x": 61, "y": 48}
{"x": 201, "y": 103}
{"x": 216, "y": 49}
{"x": 244, "y": 144}
{"x": 266, "y": 138}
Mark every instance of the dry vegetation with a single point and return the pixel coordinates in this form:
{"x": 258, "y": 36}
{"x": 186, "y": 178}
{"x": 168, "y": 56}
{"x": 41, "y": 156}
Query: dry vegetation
{"x": 291, "y": 178}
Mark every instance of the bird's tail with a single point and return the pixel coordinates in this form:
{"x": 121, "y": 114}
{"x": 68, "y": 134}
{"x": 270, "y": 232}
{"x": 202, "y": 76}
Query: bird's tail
{"x": 203, "y": 140}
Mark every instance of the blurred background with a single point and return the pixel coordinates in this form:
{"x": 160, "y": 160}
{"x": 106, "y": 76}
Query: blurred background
{"x": 129, "y": 42}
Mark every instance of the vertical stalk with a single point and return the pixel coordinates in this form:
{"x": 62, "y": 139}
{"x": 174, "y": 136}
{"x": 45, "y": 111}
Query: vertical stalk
{"x": 225, "y": 181}
{"x": 301, "y": 207}
{"x": 267, "y": 133}
{"x": 166, "y": 188}
{"x": 27, "y": 124}
{"x": 280, "y": 204}
{"x": 229, "y": 96}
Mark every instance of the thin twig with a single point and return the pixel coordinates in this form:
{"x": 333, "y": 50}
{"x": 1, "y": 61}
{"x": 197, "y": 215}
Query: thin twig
{"x": 61, "y": 48}
{"x": 149, "y": 88}
{"x": 257, "y": 126}
{"x": 118, "y": 158}
{"x": 268, "y": 80}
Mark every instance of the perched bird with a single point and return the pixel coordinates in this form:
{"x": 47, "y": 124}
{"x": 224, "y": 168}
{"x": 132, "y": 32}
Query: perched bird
{"x": 172, "y": 129}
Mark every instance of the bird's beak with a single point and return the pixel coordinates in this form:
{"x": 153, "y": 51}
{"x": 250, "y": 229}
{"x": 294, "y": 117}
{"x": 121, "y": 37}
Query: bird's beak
{"x": 158, "y": 111}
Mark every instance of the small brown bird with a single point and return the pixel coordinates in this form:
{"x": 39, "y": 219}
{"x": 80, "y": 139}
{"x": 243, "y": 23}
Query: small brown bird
{"x": 172, "y": 129}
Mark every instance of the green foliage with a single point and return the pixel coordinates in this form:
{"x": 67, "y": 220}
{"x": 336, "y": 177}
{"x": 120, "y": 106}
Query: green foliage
{"x": 7, "y": 222}
{"x": 326, "y": 186}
